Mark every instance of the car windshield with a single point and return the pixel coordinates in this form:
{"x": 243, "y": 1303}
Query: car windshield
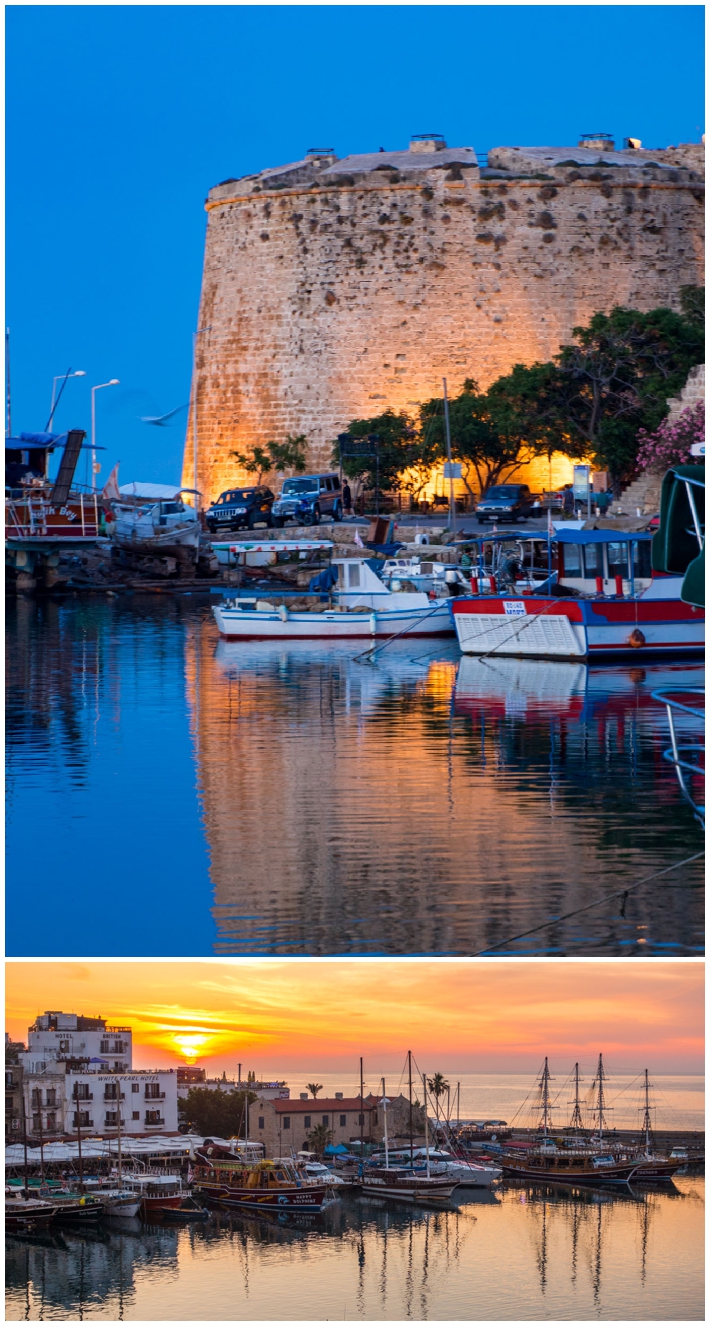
{"x": 504, "y": 492}
{"x": 299, "y": 486}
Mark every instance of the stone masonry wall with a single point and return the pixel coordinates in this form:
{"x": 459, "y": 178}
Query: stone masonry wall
{"x": 331, "y": 295}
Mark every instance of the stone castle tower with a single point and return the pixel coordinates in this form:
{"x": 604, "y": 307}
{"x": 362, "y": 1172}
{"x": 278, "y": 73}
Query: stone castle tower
{"x": 333, "y": 289}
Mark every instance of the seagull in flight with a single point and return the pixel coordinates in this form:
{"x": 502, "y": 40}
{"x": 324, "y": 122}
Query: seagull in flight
{"x": 161, "y": 420}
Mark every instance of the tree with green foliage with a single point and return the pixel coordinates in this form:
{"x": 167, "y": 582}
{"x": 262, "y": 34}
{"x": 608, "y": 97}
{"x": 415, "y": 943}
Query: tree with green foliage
{"x": 275, "y": 456}
{"x": 319, "y": 1138}
{"x": 215, "y": 1113}
{"x": 692, "y": 303}
{"x": 438, "y": 1087}
{"x": 406, "y": 457}
{"x": 616, "y": 377}
{"x": 314, "y": 1088}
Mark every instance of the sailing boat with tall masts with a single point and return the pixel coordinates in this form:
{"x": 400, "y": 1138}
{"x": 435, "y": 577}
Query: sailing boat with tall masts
{"x": 402, "y": 1182}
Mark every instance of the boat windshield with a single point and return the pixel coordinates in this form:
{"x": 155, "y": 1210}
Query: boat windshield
{"x": 292, "y": 486}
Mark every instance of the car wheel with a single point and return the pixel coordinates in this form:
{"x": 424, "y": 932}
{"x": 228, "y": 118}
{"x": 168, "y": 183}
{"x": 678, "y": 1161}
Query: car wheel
{"x": 316, "y": 515}
{"x": 251, "y": 521}
{"x": 277, "y": 522}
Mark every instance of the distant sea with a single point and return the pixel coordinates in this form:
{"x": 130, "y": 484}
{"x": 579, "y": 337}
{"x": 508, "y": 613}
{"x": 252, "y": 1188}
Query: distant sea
{"x": 678, "y": 1100}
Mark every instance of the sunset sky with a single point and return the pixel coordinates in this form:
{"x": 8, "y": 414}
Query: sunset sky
{"x": 280, "y": 1016}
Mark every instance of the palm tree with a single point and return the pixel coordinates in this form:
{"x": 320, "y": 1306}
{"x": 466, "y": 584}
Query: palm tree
{"x": 318, "y": 1138}
{"x": 438, "y": 1087}
{"x": 314, "y": 1087}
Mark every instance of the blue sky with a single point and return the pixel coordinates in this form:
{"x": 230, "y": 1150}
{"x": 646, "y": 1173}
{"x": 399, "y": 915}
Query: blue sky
{"x": 121, "y": 118}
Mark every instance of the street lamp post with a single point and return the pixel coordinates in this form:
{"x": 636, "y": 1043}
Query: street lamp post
{"x": 113, "y": 383}
{"x": 194, "y": 412}
{"x": 61, "y": 377}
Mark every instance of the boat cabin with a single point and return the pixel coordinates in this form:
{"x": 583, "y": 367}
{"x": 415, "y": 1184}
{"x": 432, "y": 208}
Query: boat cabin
{"x": 592, "y": 561}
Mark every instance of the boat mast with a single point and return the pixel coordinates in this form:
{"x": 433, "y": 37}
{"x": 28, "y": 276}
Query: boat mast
{"x": 545, "y": 1088}
{"x": 576, "y": 1120}
{"x": 118, "y": 1120}
{"x": 8, "y": 406}
{"x": 600, "y": 1099}
{"x": 362, "y": 1111}
{"x": 384, "y": 1111}
{"x": 411, "y": 1119}
{"x": 647, "y": 1113}
{"x": 426, "y": 1126}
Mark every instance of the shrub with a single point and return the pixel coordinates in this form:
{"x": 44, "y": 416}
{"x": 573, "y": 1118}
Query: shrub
{"x": 670, "y": 443}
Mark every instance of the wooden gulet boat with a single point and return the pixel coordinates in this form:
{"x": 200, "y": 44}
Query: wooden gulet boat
{"x": 265, "y": 1186}
{"x": 404, "y": 1183}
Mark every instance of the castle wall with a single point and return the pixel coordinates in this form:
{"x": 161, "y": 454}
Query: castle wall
{"x": 341, "y": 294}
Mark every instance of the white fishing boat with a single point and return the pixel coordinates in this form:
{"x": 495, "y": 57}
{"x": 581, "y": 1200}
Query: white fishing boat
{"x": 152, "y": 518}
{"x": 351, "y": 601}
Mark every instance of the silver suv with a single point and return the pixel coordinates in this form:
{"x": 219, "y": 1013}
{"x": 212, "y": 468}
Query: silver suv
{"x": 307, "y": 498}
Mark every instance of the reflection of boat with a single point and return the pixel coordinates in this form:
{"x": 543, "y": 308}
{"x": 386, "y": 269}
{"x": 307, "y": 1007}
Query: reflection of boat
{"x": 365, "y": 608}
{"x": 264, "y": 1186}
{"x": 607, "y": 600}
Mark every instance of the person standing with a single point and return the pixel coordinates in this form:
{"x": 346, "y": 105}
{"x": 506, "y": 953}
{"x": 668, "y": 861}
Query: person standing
{"x": 347, "y": 499}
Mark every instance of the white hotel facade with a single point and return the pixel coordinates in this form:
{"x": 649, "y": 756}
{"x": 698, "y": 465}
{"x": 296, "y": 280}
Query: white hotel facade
{"x": 78, "y": 1075}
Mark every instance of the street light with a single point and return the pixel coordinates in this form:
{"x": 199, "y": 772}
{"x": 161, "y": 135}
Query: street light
{"x": 113, "y": 383}
{"x": 61, "y": 376}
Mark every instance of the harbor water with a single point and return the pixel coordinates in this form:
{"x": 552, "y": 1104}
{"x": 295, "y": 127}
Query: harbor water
{"x": 520, "y": 1253}
{"x": 185, "y": 796}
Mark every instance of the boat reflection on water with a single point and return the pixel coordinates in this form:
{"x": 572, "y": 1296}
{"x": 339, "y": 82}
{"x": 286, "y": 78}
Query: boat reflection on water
{"x": 424, "y": 802}
{"x": 527, "y": 1252}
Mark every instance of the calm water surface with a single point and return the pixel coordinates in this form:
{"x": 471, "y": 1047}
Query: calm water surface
{"x": 521, "y": 1253}
{"x": 187, "y": 796}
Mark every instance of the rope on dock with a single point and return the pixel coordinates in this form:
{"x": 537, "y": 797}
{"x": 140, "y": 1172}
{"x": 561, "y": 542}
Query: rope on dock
{"x": 608, "y": 897}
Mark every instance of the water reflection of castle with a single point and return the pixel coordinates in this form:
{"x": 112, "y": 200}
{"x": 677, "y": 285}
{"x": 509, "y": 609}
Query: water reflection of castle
{"x": 395, "y": 809}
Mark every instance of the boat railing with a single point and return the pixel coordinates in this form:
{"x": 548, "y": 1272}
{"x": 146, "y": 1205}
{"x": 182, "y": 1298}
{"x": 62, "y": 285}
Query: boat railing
{"x": 685, "y": 758}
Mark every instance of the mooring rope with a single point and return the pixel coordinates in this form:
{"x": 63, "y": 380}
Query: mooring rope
{"x": 608, "y": 897}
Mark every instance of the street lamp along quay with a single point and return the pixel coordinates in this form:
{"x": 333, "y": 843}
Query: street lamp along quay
{"x": 113, "y": 383}
{"x": 63, "y": 378}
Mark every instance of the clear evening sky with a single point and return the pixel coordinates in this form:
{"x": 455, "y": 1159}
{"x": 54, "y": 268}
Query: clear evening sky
{"x": 120, "y": 118}
{"x": 473, "y": 1016}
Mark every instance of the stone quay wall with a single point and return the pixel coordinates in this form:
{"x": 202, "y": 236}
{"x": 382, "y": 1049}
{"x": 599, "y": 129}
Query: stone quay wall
{"x": 334, "y": 289}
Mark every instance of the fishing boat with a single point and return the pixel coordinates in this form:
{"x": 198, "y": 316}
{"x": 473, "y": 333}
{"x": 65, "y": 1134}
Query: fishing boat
{"x": 151, "y": 518}
{"x": 605, "y": 600}
{"x": 27, "y": 1214}
{"x": 264, "y": 1186}
{"x": 156, "y": 1193}
{"x": 403, "y": 1184}
{"x": 465, "y": 1173}
{"x": 352, "y": 601}
{"x": 44, "y": 519}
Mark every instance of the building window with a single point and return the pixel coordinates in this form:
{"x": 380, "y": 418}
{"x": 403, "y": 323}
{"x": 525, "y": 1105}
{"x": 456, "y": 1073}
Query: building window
{"x": 287, "y": 1123}
{"x": 81, "y": 1091}
{"x": 9, "y": 1080}
{"x": 110, "y": 1091}
{"x": 136, "y": 1114}
{"x": 135, "y": 1086}
{"x": 307, "y": 1121}
{"x": 326, "y": 1117}
{"x": 374, "y": 1116}
{"x": 51, "y": 1123}
{"x": 37, "y": 1123}
{"x": 261, "y": 1121}
{"x": 342, "y": 1120}
{"x": 361, "y": 1118}
{"x": 152, "y": 1091}
{"x": 82, "y": 1120}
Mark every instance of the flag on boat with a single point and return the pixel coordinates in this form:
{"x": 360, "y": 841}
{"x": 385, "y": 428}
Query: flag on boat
{"x": 110, "y": 491}
{"x": 358, "y": 541}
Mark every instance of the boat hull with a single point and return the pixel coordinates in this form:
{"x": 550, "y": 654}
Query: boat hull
{"x": 27, "y": 1215}
{"x": 619, "y": 1174}
{"x": 246, "y": 624}
{"x": 306, "y": 1198}
{"x": 407, "y": 1187}
{"x": 537, "y": 627}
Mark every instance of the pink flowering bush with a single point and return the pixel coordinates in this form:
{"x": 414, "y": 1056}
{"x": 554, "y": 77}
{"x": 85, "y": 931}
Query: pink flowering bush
{"x": 671, "y": 442}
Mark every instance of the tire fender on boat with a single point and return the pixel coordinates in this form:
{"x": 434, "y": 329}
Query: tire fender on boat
{"x": 636, "y": 639}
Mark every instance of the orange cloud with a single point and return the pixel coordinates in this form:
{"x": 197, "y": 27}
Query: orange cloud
{"x": 482, "y": 1015}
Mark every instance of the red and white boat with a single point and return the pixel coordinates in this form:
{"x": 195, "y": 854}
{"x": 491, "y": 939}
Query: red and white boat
{"x": 605, "y": 600}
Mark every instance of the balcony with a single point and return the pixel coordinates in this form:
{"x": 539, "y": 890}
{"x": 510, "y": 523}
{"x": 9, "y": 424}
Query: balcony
{"x": 108, "y": 1098}
{"x": 154, "y": 1095}
{"x": 87, "y": 1123}
{"x": 89, "y": 1096}
{"x": 154, "y": 1123}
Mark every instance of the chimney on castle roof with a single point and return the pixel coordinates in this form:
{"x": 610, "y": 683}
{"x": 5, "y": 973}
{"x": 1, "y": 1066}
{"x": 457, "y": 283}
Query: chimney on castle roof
{"x": 427, "y": 143}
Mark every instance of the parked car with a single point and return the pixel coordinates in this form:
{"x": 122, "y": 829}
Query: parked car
{"x": 307, "y": 498}
{"x": 506, "y": 501}
{"x": 240, "y": 508}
